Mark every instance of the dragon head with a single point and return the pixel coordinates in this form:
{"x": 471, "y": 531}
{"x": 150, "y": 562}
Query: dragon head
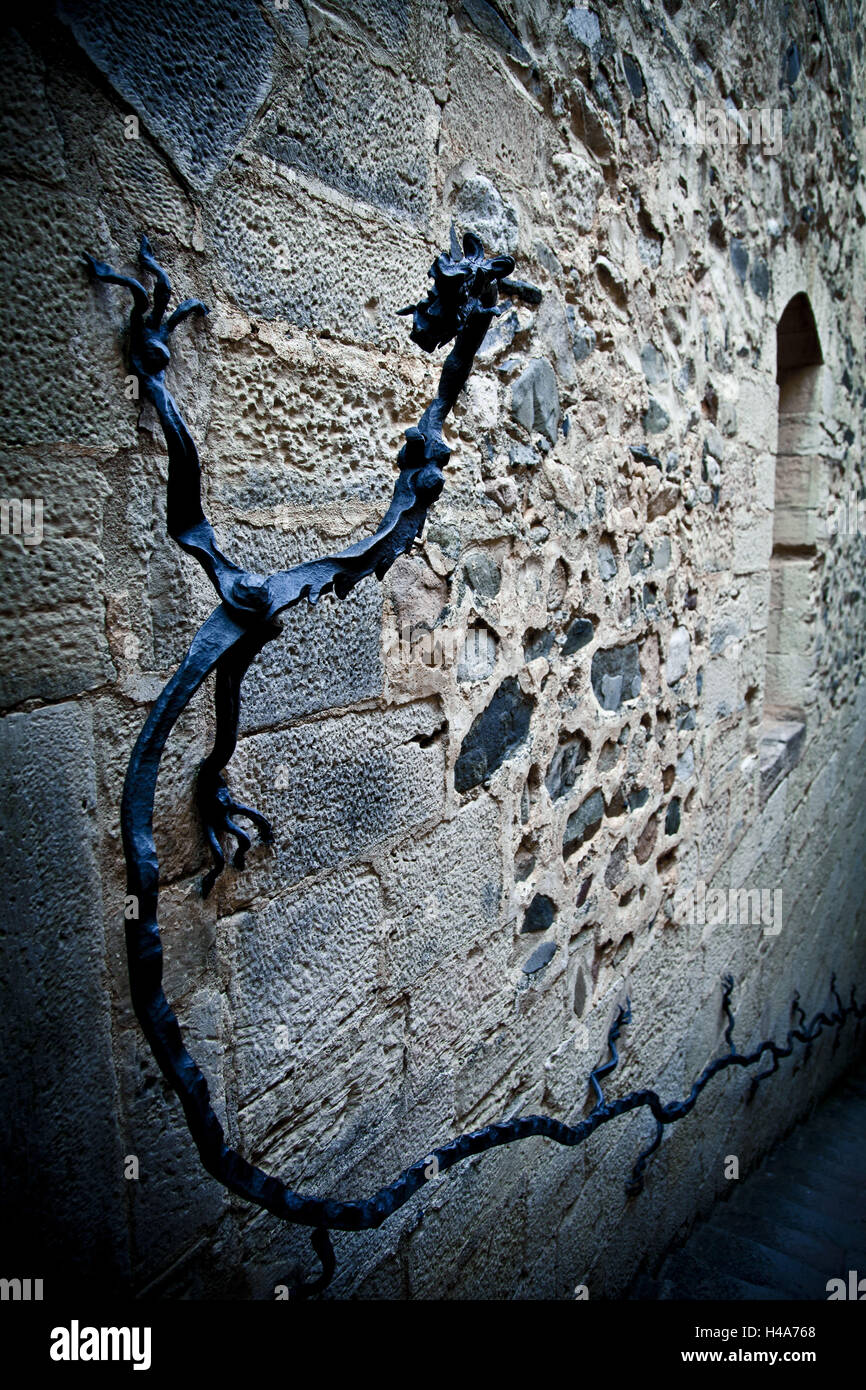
{"x": 465, "y": 283}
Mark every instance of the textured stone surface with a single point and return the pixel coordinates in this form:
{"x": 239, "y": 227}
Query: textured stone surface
{"x": 62, "y": 1177}
{"x": 653, "y": 363}
{"x": 579, "y": 634}
{"x": 541, "y": 956}
{"x": 540, "y": 914}
{"x": 490, "y": 23}
{"x": 327, "y": 657}
{"x": 360, "y": 129}
{"x": 30, "y": 139}
{"x": 565, "y": 766}
{"x": 779, "y": 751}
{"x": 268, "y": 233}
{"x": 584, "y": 822}
{"x": 333, "y": 789}
{"x": 299, "y": 973}
{"x": 579, "y": 187}
{"x": 480, "y": 208}
{"x": 583, "y": 25}
{"x": 616, "y": 675}
{"x": 607, "y": 564}
{"x": 656, "y": 419}
{"x": 482, "y": 574}
{"x": 432, "y": 885}
{"x": 219, "y": 61}
{"x": 535, "y": 400}
{"x": 677, "y": 661}
{"x": 62, "y": 648}
{"x": 495, "y": 735}
{"x": 477, "y": 655}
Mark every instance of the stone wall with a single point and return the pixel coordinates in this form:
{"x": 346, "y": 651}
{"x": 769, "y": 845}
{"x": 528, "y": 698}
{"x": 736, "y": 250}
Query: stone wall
{"x": 500, "y": 779}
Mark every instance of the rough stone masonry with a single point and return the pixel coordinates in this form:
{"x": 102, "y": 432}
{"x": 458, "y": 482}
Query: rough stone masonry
{"x": 622, "y": 673}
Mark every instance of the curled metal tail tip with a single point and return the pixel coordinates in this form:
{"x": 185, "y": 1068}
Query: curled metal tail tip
{"x": 321, "y": 1243}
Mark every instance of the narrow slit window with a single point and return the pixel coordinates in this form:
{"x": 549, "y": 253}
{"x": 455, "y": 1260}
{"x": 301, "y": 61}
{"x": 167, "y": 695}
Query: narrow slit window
{"x": 795, "y": 561}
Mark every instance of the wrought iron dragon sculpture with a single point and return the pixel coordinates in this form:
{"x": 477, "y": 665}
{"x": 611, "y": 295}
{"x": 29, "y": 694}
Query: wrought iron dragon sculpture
{"x": 459, "y": 307}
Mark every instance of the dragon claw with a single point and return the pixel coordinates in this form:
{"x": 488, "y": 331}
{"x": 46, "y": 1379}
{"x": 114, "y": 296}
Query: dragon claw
{"x": 219, "y": 810}
{"x": 150, "y": 309}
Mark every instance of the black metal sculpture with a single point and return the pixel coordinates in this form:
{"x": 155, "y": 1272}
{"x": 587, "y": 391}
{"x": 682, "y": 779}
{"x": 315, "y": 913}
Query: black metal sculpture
{"x": 460, "y": 306}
